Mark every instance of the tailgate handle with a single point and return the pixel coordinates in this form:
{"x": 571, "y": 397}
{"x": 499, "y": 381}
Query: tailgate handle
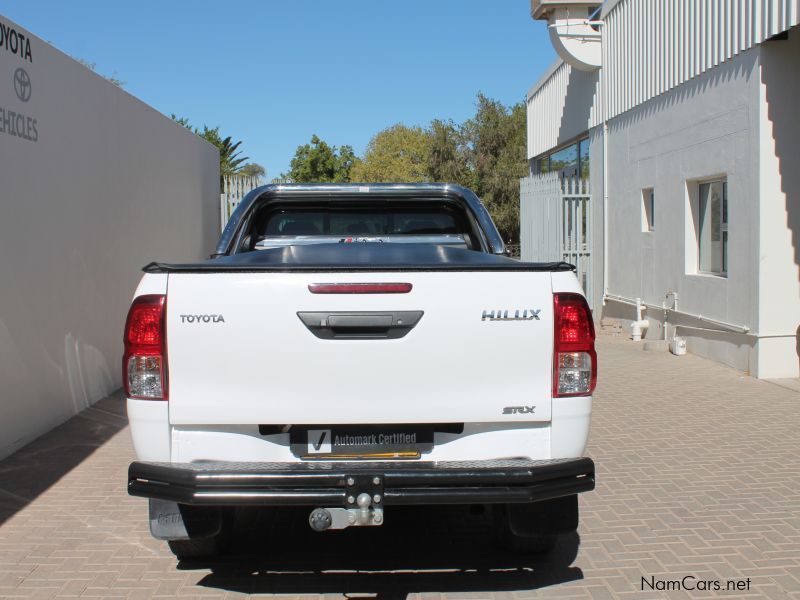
{"x": 384, "y": 325}
{"x": 360, "y": 321}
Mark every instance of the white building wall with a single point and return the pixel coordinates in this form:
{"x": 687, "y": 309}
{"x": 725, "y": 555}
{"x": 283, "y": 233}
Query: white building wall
{"x": 779, "y": 209}
{"x": 695, "y": 89}
{"x": 705, "y": 128}
{"x": 652, "y": 46}
{"x": 568, "y": 97}
{"x": 94, "y": 184}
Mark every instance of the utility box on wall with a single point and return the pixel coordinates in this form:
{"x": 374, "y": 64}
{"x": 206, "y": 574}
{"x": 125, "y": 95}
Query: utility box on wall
{"x": 95, "y": 184}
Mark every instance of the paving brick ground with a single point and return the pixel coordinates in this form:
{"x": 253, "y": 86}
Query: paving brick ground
{"x": 698, "y": 474}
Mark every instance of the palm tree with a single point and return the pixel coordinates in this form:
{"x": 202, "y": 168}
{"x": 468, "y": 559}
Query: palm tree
{"x": 230, "y": 161}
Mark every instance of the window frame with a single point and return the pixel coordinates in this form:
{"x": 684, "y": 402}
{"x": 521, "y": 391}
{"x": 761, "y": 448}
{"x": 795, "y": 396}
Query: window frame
{"x": 544, "y": 162}
{"x": 255, "y": 225}
{"x": 648, "y": 210}
{"x": 723, "y": 224}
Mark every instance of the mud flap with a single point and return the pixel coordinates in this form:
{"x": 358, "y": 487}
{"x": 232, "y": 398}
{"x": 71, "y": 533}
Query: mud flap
{"x": 173, "y": 521}
{"x": 548, "y": 517}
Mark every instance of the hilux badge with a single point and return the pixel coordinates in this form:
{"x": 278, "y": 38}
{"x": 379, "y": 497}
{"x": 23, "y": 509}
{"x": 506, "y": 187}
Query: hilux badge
{"x": 525, "y": 314}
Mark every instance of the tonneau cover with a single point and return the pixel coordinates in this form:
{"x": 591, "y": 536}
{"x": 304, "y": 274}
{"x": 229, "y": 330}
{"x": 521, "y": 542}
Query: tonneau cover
{"x": 358, "y": 256}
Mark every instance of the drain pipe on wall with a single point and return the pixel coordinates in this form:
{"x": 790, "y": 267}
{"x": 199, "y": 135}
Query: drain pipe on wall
{"x": 639, "y": 325}
{"x": 674, "y": 295}
{"x": 715, "y": 324}
{"x": 604, "y": 113}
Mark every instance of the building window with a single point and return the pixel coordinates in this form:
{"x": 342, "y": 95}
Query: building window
{"x": 648, "y": 209}
{"x": 543, "y": 165}
{"x": 583, "y": 158}
{"x": 565, "y": 160}
{"x": 712, "y": 235}
{"x": 570, "y": 161}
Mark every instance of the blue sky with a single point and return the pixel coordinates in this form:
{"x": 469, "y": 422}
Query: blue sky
{"x": 273, "y": 73}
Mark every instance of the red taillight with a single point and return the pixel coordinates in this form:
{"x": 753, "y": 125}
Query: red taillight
{"x": 359, "y": 288}
{"x": 144, "y": 363}
{"x": 574, "y": 356}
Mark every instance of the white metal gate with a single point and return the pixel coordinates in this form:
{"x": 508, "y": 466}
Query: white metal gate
{"x": 555, "y": 223}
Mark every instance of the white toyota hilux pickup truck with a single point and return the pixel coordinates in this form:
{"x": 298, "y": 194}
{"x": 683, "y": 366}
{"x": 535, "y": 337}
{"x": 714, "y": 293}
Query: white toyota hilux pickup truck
{"x": 352, "y": 348}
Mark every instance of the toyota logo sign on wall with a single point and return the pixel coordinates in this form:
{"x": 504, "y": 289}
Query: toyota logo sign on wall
{"x": 22, "y": 84}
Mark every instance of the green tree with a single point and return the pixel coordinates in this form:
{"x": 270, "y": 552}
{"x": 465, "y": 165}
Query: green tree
{"x": 487, "y": 153}
{"x": 183, "y": 121}
{"x": 93, "y": 67}
{"x": 397, "y": 154}
{"x": 448, "y": 156}
{"x": 496, "y": 138}
{"x": 344, "y": 160}
{"x": 253, "y": 170}
{"x": 230, "y": 159}
{"x": 319, "y": 162}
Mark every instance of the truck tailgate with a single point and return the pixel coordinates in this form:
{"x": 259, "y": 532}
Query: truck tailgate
{"x": 239, "y": 352}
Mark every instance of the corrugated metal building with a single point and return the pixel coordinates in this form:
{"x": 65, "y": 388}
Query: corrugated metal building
{"x": 682, "y": 115}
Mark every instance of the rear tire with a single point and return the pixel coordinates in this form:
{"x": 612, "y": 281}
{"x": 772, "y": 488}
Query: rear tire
{"x": 534, "y": 528}
{"x": 505, "y": 538}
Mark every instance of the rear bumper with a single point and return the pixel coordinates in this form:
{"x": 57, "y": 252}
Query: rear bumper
{"x": 331, "y": 484}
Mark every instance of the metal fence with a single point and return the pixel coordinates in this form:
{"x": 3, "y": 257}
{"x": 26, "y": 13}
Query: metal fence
{"x": 555, "y": 223}
{"x": 234, "y": 188}
{"x": 540, "y": 215}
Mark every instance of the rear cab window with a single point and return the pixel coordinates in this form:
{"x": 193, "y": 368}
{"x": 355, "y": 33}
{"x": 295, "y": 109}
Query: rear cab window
{"x": 432, "y": 222}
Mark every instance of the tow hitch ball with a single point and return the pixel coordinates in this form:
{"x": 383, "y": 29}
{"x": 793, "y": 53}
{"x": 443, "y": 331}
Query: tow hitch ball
{"x": 368, "y": 513}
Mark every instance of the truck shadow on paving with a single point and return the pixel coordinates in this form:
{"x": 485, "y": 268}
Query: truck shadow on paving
{"x": 433, "y": 549}
{"x": 36, "y": 467}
